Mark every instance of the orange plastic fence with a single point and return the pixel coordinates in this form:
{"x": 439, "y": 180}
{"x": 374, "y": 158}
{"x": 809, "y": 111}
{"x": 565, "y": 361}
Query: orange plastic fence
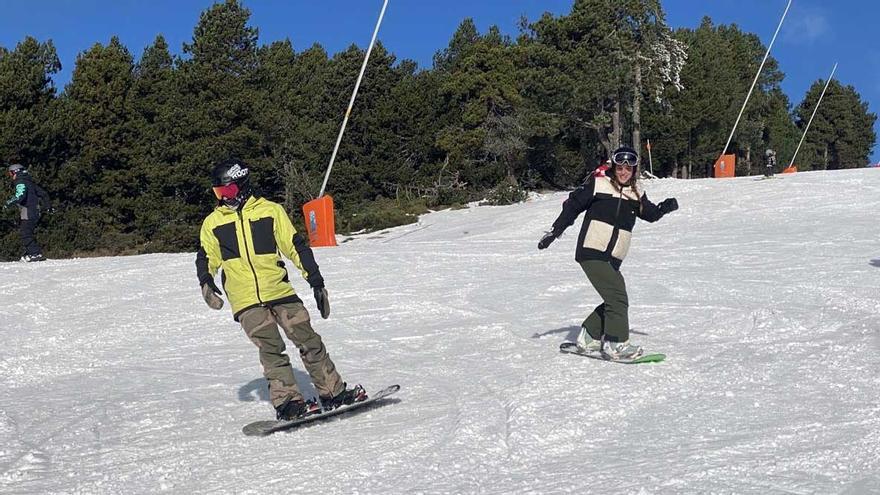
{"x": 320, "y": 222}
{"x": 725, "y": 166}
{"x": 790, "y": 170}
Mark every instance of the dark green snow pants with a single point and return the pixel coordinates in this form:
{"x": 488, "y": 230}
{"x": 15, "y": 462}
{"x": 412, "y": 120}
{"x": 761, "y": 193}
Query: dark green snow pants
{"x": 611, "y": 317}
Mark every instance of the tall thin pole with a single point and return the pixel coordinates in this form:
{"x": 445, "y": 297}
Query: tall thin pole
{"x": 816, "y": 109}
{"x": 351, "y": 102}
{"x": 756, "y": 78}
{"x": 650, "y": 160}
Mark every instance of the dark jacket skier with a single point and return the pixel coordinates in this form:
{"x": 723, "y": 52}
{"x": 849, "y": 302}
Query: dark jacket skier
{"x": 29, "y": 197}
{"x": 612, "y": 203}
{"x": 243, "y": 238}
{"x": 770, "y": 159}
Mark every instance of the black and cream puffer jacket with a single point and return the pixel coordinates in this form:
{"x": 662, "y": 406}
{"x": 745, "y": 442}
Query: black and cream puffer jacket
{"x": 611, "y": 215}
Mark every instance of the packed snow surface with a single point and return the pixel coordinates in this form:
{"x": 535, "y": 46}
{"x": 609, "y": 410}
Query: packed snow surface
{"x": 117, "y": 378}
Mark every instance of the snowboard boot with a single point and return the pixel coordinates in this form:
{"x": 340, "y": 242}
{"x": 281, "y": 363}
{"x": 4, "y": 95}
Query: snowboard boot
{"x": 296, "y": 409}
{"x": 586, "y": 343}
{"x": 346, "y": 397}
{"x": 622, "y": 350}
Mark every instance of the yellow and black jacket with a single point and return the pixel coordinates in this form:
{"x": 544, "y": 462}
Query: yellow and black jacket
{"x": 246, "y": 245}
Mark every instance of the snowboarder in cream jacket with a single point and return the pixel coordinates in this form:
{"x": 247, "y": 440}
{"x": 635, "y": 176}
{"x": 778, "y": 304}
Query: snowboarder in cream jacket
{"x": 612, "y": 201}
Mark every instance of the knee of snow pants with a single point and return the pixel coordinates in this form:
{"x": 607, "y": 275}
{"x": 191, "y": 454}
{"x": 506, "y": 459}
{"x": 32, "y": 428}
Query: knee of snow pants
{"x": 260, "y": 327}
{"x": 295, "y": 320}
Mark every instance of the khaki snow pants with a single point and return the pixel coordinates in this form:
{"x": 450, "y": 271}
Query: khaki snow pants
{"x": 611, "y": 318}
{"x": 261, "y": 326}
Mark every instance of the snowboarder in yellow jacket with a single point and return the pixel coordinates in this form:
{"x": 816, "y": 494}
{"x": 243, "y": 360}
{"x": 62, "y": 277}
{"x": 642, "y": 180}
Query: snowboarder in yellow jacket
{"x": 244, "y": 238}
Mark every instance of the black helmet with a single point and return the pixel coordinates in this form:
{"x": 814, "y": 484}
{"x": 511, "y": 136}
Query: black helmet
{"x": 230, "y": 180}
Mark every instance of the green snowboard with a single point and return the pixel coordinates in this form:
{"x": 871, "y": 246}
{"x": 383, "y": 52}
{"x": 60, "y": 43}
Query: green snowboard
{"x": 572, "y": 348}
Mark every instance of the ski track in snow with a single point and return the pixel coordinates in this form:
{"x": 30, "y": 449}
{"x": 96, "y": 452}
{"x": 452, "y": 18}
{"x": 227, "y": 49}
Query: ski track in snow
{"x": 118, "y": 379}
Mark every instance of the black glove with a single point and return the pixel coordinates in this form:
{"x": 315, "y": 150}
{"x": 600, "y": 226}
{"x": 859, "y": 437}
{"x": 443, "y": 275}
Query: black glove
{"x": 210, "y": 293}
{"x": 545, "y": 241}
{"x": 668, "y": 205}
{"x": 323, "y": 301}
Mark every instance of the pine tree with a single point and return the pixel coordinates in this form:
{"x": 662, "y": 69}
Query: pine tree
{"x": 842, "y": 134}
{"x": 482, "y": 99}
{"x": 219, "y": 92}
{"x": 100, "y": 179}
{"x": 160, "y": 213}
{"x": 26, "y": 105}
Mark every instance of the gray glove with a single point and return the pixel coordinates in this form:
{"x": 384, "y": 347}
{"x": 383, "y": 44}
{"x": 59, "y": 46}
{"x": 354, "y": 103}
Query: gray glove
{"x": 211, "y": 294}
{"x": 323, "y": 301}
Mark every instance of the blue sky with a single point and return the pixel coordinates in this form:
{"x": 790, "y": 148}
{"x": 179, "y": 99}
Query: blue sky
{"x": 816, "y": 34}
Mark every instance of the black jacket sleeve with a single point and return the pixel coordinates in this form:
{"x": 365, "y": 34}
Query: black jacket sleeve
{"x": 578, "y": 201}
{"x": 202, "y": 267}
{"x": 649, "y": 211}
{"x": 307, "y": 258}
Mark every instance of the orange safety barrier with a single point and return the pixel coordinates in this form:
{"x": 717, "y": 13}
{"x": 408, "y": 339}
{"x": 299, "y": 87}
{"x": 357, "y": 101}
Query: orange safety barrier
{"x": 320, "y": 222}
{"x": 790, "y": 170}
{"x": 725, "y": 166}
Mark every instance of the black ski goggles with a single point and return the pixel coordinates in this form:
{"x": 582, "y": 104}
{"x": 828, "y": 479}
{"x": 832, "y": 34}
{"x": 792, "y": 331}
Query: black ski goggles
{"x": 626, "y": 158}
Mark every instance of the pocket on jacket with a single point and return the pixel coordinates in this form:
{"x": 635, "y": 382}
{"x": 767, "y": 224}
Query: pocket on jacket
{"x": 228, "y": 240}
{"x": 598, "y": 235}
{"x": 263, "y": 235}
{"x": 621, "y": 247}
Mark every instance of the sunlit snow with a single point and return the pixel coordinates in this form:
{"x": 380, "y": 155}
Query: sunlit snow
{"x": 117, "y": 378}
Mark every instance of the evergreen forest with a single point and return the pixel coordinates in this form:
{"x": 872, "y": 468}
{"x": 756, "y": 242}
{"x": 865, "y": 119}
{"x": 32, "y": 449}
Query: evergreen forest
{"x": 126, "y": 147}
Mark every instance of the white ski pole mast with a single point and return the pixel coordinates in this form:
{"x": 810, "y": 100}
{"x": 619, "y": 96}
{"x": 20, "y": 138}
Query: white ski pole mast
{"x": 353, "y": 96}
{"x": 816, "y": 109}
{"x": 760, "y": 68}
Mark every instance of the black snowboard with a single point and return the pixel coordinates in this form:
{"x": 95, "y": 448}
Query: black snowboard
{"x": 263, "y": 428}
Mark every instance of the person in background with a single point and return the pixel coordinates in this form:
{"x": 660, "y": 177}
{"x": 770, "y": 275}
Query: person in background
{"x": 612, "y": 203}
{"x": 244, "y": 237}
{"x": 29, "y": 197}
{"x": 770, "y": 159}
{"x": 601, "y": 168}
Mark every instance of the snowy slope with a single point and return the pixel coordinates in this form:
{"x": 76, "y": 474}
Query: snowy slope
{"x": 116, "y": 377}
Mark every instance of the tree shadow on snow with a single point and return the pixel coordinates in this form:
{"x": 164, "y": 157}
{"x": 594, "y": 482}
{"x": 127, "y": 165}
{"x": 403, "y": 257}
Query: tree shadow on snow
{"x": 875, "y": 262}
{"x": 258, "y": 389}
{"x": 572, "y": 332}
